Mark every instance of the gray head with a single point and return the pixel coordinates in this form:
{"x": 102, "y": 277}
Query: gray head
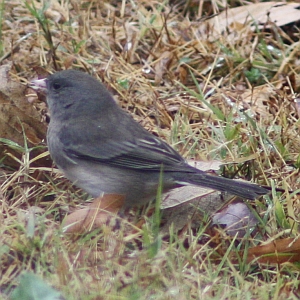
{"x": 77, "y": 93}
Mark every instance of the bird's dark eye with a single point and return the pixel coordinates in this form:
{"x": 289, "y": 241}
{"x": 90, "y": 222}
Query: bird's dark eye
{"x": 56, "y": 85}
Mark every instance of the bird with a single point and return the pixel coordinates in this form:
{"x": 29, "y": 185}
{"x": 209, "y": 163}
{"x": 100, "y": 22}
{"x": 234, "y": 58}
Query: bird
{"x": 103, "y": 150}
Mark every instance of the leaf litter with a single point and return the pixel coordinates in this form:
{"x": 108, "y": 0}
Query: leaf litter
{"x": 144, "y": 57}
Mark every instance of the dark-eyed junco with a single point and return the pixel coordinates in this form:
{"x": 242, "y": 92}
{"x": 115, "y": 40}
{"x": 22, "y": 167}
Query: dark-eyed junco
{"x": 102, "y": 149}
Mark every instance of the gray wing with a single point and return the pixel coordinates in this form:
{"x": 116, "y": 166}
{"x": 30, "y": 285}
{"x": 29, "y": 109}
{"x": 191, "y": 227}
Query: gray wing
{"x": 125, "y": 145}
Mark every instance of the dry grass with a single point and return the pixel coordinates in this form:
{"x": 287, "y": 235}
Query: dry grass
{"x": 230, "y": 98}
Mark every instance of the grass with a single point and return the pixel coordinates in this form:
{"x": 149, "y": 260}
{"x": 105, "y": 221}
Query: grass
{"x": 229, "y": 99}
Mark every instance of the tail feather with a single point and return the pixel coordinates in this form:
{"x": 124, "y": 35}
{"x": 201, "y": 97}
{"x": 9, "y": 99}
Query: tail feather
{"x": 235, "y": 187}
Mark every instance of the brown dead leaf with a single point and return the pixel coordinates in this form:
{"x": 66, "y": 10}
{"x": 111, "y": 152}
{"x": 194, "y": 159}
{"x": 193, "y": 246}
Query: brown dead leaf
{"x": 184, "y": 194}
{"x": 278, "y": 251}
{"x": 68, "y": 62}
{"x": 297, "y": 106}
{"x": 237, "y": 219}
{"x": 211, "y": 165}
{"x": 18, "y": 117}
{"x": 256, "y": 100}
{"x": 198, "y": 205}
{"x": 182, "y": 74}
{"x": 94, "y": 215}
{"x": 131, "y": 42}
{"x": 57, "y": 12}
{"x": 255, "y": 14}
{"x": 162, "y": 66}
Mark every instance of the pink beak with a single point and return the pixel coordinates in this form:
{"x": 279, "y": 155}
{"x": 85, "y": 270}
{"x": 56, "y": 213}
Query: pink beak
{"x": 39, "y": 85}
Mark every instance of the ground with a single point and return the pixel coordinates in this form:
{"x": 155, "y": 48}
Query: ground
{"x": 212, "y": 91}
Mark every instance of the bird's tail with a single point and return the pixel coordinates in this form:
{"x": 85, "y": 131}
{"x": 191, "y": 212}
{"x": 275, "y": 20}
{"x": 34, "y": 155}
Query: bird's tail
{"x": 235, "y": 187}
